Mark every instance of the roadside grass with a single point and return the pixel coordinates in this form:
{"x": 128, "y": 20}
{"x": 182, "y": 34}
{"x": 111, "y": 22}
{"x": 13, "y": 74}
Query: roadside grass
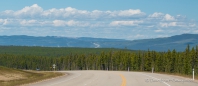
{"x": 14, "y": 77}
{"x": 173, "y": 74}
{"x": 180, "y": 75}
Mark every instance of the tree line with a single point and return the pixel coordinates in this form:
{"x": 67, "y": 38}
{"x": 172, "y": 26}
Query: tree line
{"x": 170, "y": 61}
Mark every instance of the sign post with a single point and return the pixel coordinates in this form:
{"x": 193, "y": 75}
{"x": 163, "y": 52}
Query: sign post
{"x": 152, "y": 69}
{"x": 193, "y": 65}
{"x": 193, "y": 74}
{"x": 128, "y": 69}
{"x": 54, "y": 66}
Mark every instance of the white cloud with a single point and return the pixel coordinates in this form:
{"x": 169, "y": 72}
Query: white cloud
{"x": 1, "y": 21}
{"x": 6, "y": 22}
{"x": 156, "y": 15}
{"x": 125, "y": 23}
{"x": 164, "y": 17}
{"x": 36, "y": 11}
{"x": 61, "y": 23}
{"x": 28, "y": 22}
{"x": 74, "y": 22}
{"x": 130, "y": 12}
{"x": 29, "y": 11}
{"x": 97, "y": 14}
{"x": 159, "y": 30}
{"x": 168, "y": 24}
{"x": 168, "y": 17}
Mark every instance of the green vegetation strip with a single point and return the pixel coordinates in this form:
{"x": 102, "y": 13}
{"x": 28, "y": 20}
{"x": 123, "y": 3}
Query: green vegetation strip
{"x": 32, "y": 58}
{"x": 14, "y": 77}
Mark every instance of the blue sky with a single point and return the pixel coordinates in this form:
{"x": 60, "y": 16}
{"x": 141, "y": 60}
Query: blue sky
{"x": 118, "y": 19}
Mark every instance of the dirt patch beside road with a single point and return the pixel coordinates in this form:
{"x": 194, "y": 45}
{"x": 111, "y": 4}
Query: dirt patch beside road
{"x": 14, "y": 77}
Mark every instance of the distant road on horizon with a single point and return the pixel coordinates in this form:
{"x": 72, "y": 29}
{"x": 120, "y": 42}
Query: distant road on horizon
{"x": 115, "y": 78}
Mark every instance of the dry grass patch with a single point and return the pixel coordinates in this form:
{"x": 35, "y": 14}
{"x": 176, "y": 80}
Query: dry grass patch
{"x": 14, "y": 77}
{"x": 180, "y": 75}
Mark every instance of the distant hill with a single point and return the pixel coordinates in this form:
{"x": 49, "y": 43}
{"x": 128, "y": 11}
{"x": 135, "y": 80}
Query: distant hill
{"x": 178, "y": 42}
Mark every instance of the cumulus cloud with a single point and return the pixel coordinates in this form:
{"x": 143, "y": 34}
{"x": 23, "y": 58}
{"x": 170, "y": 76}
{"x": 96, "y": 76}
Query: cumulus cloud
{"x": 74, "y": 22}
{"x": 130, "y": 12}
{"x": 29, "y": 11}
{"x": 168, "y": 24}
{"x": 36, "y": 11}
{"x": 59, "y": 23}
{"x": 125, "y": 23}
{"x": 168, "y": 17}
{"x": 33, "y": 11}
{"x": 28, "y": 22}
{"x": 1, "y": 20}
{"x": 8, "y": 22}
{"x": 164, "y": 17}
{"x": 156, "y": 15}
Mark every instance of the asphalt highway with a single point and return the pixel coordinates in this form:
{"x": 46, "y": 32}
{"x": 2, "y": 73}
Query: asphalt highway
{"x": 115, "y": 78}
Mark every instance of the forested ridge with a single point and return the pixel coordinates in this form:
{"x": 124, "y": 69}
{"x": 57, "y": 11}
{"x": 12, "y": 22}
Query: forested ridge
{"x": 170, "y": 61}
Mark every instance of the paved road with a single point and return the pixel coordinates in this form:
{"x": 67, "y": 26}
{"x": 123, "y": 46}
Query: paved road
{"x": 115, "y": 78}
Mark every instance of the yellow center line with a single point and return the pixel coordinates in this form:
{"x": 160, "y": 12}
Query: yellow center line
{"x": 123, "y": 80}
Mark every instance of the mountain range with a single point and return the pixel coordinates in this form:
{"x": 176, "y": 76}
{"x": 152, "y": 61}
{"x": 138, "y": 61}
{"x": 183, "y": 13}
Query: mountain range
{"x": 178, "y": 42}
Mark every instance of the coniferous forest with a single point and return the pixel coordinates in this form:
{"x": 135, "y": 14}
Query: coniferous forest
{"x": 32, "y": 58}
